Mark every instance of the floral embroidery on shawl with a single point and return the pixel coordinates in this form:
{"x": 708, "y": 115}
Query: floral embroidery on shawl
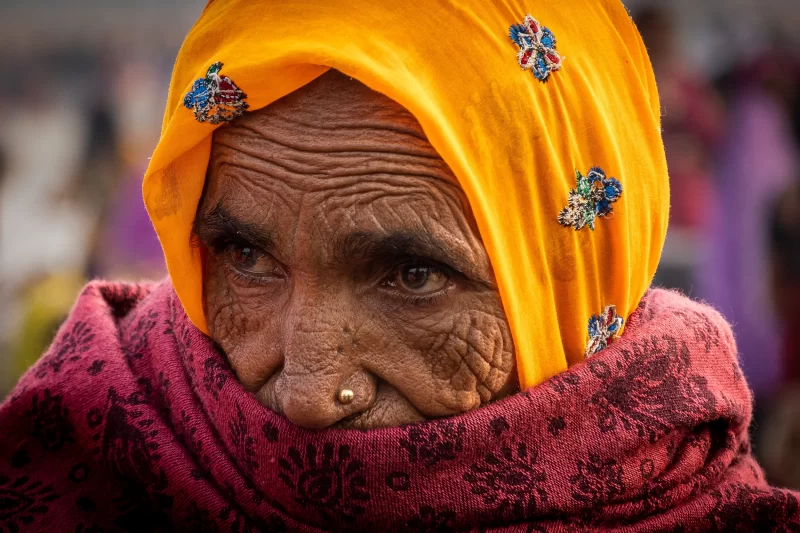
{"x": 215, "y": 99}
{"x": 537, "y": 48}
{"x": 591, "y": 198}
{"x": 603, "y": 328}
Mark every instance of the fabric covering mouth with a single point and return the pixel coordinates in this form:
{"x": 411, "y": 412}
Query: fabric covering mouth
{"x": 652, "y": 431}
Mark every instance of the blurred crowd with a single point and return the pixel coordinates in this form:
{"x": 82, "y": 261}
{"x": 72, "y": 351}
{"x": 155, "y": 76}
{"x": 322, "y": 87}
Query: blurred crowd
{"x": 733, "y": 149}
{"x": 79, "y": 123}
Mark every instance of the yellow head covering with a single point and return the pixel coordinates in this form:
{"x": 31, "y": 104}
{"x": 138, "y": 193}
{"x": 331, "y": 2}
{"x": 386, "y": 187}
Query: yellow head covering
{"x": 514, "y": 142}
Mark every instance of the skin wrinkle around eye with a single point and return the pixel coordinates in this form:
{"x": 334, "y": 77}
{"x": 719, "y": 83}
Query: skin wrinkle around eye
{"x": 342, "y": 208}
{"x": 218, "y": 218}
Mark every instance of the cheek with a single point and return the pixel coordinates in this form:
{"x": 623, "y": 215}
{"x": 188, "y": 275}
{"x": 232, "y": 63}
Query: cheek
{"x": 455, "y": 359}
{"x": 239, "y": 320}
{"x": 227, "y": 318}
{"x": 473, "y": 354}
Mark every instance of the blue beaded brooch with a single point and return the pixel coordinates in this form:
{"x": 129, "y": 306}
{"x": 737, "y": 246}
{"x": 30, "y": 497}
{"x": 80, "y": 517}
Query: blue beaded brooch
{"x": 591, "y": 198}
{"x": 537, "y": 48}
{"x": 215, "y": 99}
{"x": 603, "y": 329}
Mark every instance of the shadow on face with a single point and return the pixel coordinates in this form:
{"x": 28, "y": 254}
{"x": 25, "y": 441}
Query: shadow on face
{"x": 342, "y": 254}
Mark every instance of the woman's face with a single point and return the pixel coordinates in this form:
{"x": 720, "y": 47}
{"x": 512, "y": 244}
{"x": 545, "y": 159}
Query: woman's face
{"x": 342, "y": 254}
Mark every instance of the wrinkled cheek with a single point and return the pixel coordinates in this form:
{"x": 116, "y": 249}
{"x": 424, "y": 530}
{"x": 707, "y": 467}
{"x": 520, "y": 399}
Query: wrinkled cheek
{"x": 229, "y": 321}
{"x": 224, "y": 313}
{"x": 475, "y": 357}
{"x": 251, "y": 346}
{"x": 238, "y": 323}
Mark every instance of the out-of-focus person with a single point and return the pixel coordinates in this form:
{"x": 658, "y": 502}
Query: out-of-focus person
{"x": 43, "y": 230}
{"x": 785, "y": 276}
{"x": 126, "y": 245}
{"x": 780, "y": 442}
{"x": 83, "y": 192}
{"x": 759, "y": 159}
{"x": 693, "y": 122}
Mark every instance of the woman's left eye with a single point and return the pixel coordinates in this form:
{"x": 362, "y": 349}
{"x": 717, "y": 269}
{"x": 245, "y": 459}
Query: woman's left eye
{"x": 419, "y": 278}
{"x": 254, "y": 261}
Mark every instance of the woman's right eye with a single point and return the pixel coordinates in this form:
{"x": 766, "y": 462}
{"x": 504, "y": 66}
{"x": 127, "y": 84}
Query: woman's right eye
{"x": 418, "y": 278}
{"x": 254, "y": 261}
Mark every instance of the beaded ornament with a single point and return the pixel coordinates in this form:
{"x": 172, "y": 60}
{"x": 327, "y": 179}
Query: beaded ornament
{"x": 537, "y": 48}
{"x": 591, "y": 198}
{"x": 603, "y": 329}
{"x": 215, "y": 98}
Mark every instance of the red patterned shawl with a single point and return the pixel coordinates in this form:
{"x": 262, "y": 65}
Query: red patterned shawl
{"x": 133, "y": 421}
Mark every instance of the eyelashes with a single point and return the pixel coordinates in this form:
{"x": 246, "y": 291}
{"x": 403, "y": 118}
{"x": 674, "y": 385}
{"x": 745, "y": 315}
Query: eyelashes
{"x": 220, "y": 242}
{"x": 243, "y": 278}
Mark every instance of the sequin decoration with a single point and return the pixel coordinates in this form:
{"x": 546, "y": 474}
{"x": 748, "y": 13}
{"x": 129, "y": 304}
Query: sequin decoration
{"x": 603, "y": 329}
{"x": 537, "y": 48}
{"x": 215, "y": 99}
{"x": 593, "y": 197}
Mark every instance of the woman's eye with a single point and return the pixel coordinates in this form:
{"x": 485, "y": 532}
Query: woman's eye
{"x": 253, "y": 261}
{"x": 419, "y": 278}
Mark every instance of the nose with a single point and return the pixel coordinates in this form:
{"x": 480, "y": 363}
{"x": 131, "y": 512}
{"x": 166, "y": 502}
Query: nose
{"x": 321, "y": 357}
{"x": 314, "y": 400}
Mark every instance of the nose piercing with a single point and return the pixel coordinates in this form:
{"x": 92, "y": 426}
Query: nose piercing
{"x": 346, "y": 396}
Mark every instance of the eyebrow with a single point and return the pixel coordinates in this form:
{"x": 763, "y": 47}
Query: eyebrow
{"x": 217, "y": 228}
{"x": 401, "y": 245}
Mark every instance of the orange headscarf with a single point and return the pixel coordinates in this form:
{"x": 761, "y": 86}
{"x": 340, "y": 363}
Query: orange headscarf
{"x": 514, "y": 142}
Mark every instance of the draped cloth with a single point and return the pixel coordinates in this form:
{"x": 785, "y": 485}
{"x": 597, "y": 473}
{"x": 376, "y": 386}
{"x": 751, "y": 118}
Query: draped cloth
{"x": 515, "y": 143}
{"x": 134, "y": 421}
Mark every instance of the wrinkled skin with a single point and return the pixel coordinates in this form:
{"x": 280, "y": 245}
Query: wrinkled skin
{"x": 341, "y": 253}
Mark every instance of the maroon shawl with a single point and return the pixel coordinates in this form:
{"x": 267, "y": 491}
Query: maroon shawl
{"x": 134, "y": 421}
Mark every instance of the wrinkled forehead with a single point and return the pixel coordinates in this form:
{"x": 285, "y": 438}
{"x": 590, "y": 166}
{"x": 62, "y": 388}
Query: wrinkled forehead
{"x": 334, "y": 114}
{"x": 337, "y": 151}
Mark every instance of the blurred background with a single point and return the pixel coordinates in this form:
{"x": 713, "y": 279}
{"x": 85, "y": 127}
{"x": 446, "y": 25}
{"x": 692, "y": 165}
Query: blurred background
{"x": 83, "y": 87}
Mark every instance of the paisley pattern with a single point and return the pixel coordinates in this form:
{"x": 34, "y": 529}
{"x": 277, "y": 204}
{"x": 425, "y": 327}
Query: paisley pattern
{"x": 136, "y": 345}
{"x": 744, "y": 507}
{"x": 510, "y": 480}
{"x": 74, "y": 342}
{"x": 50, "y": 421}
{"x": 214, "y": 375}
{"x": 243, "y": 441}
{"x": 598, "y": 480}
{"x": 329, "y": 480}
{"x": 431, "y": 520}
{"x": 634, "y": 399}
{"x": 173, "y": 442}
{"x": 23, "y": 501}
{"x": 431, "y": 443}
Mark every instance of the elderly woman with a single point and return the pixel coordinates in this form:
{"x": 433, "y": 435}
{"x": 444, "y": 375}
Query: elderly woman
{"x": 402, "y": 252}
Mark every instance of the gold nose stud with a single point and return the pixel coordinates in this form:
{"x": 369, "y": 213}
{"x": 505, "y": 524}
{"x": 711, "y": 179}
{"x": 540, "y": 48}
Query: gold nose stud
{"x": 346, "y": 396}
